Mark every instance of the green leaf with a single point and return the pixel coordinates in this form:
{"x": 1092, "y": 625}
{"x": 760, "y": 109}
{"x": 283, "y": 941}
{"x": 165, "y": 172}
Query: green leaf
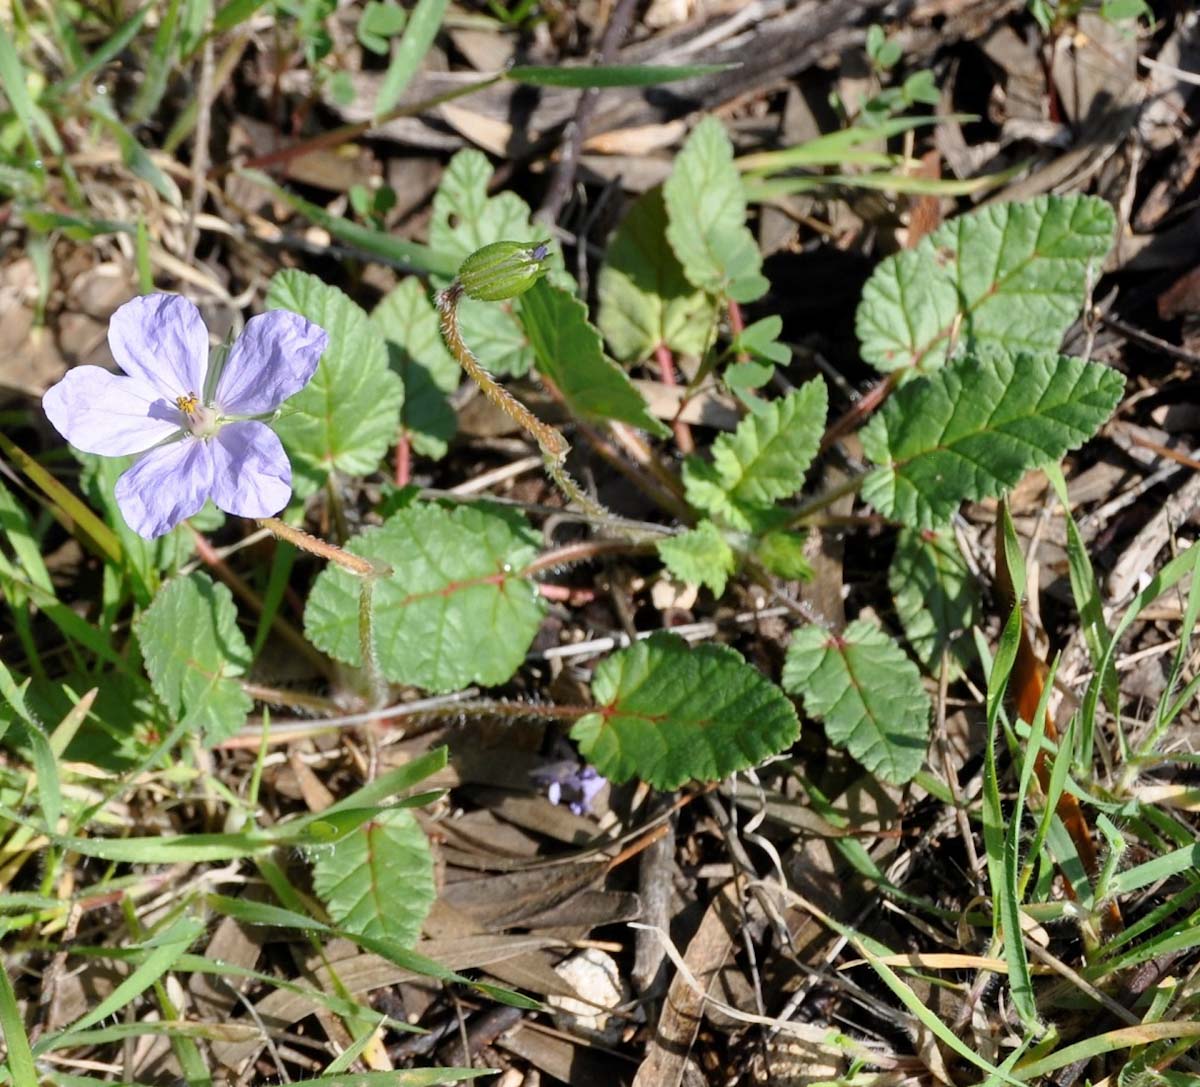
{"x": 409, "y": 324}
{"x": 867, "y": 692}
{"x": 934, "y": 594}
{"x": 762, "y": 339}
{"x": 193, "y": 651}
{"x": 569, "y": 352}
{"x": 700, "y": 556}
{"x": 975, "y": 427}
{"x": 645, "y": 299}
{"x": 1012, "y": 276}
{"x": 418, "y": 37}
{"x": 764, "y": 460}
{"x": 609, "y": 75}
{"x": 782, "y": 553}
{"x": 345, "y": 418}
{"x": 668, "y": 714}
{"x": 457, "y": 609}
{"x": 706, "y": 209}
{"x": 378, "y": 881}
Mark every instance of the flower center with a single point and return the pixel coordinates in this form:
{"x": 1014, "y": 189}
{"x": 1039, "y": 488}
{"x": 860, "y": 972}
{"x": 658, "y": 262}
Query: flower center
{"x": 200, "y": 420}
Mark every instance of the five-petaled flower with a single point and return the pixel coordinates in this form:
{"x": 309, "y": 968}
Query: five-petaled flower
{"x": 196, "y": 429}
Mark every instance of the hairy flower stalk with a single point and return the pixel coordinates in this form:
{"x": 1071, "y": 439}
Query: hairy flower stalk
{"x": 497, "y": 272}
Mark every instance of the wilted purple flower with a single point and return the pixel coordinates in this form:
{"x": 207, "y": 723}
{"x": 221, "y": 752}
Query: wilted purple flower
{"x": 568, "y": 782}
{"x": 196, "y": 428}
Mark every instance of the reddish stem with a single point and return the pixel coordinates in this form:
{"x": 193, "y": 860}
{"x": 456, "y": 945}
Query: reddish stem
{"x": 567, "y": 594}
{"x": 666, "y": 369}
{"x": 403, "y": 460}
{"x": 857, "y": 413}
{"x": 736, "y": 323}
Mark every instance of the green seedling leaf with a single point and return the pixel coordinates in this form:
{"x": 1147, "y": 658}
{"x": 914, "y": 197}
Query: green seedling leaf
{"x": 1011, "y": 276}
{"x": 569, "y": 352}
{"x": 416, "y": 352}
{"x": 762, "y": 339}
{"x": 194, "y": 651}
{"x": 378, "y": 881}
{"x": 668, "y": 713}
{"x": 645, "y": 299}
{"x": 706, "y": 209}
{"x": 867, "y": 692}
{"x": 380, "y": 20}
{"x": 971, "y": 430}
{"x": 764, "y": 460}
{"x": 345, "y": 418}
{"x": 465, "y": 219}
{"x": 700, "y": 556}
{"x": 457, "y": 609}
{"x": 609, "y": 75}
{"x": 934, "y": 594}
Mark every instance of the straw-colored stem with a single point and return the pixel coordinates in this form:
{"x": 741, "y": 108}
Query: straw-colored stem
{"x": 355, "y": 564}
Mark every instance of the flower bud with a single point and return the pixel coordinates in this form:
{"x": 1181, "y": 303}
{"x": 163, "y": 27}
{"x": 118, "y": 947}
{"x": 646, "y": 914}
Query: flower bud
{"x": 503, "y": 270}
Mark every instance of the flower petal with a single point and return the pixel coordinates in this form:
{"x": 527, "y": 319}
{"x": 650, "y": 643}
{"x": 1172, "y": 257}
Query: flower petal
{"x": 166, "y": 486}
{"x": 110, "y": 414}
{"x": 161, "y": 338}
{"x": 274, "y": 358}
{"x": 251, "y": 473}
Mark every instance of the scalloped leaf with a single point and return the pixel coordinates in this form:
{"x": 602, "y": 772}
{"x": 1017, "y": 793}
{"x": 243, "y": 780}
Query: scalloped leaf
{"x": 416, "y": 352}
{"x": 345, "y": 417}
{"x": 569, "y": 352}
{"x": 700, "y": 556}
{"x": 706, "y": 212}
{"x": 645, "y": 299}
{"x": 764, "y": 460}
{"x": 1010, "y": 276}
{"x": 456, "y": 610}
{"x": 668, "y": 713}
{"x": 867, "y": 692}
{"x": 934, "y": 594}
{"x": 972, "y": 429}
{"x": 378, "y": 880}
{"x": 194, "y": 653}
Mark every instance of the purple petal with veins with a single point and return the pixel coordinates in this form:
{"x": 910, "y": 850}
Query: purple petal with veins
{"x": 161, "y": 339}
{"x": 274, "y": 358}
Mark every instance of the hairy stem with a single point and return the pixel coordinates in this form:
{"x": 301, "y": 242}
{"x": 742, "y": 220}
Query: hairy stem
{"x": 376, "y": 685}
{"x": 553, "y": 445}
{"x": 355, "y": 564}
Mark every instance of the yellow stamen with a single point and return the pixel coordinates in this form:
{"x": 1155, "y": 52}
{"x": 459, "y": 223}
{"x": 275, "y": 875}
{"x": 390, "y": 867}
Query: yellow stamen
{"x": 187, "y": 404}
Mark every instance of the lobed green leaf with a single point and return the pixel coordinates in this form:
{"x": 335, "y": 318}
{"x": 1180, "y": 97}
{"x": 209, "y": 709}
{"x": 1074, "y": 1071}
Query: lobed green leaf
{"x": 345, "y": 418}
{"x": 456, "y": 610}
{"x": 867, "y": 692}
{"x": 706, "y": 209}
{"x": 972, "y": 429}
{"x": 761, "y": 462}
{"x": 378, "y": 881}
{"x": 700, "y": 556}
{"x": 416, "y": 352}
{"x": 1012, "y": 276}
{"x": 194, "y": 651}
{"x": 645, "y": 299}
{"x": 569, "y": 352}
{"x": 669, "y": 713}
{"x": 934, "y": 594}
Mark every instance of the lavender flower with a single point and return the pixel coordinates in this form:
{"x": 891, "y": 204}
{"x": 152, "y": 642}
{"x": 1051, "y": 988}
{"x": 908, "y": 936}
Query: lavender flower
{"x": 568, "y": 782}
{"x": 194, "y": 425}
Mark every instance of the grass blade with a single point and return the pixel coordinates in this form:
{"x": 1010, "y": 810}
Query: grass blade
{"x": 609, "y": 75}
{"x": 418, "y": 36}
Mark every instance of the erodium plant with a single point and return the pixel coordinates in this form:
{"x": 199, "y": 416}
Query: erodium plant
{"x": 965, "y": 330}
